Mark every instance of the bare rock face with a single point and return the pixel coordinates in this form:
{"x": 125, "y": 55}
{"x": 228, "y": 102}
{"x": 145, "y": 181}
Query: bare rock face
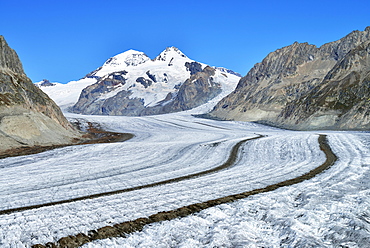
{"x": 340, "y": 101}
{"x": 283, "y": 89}
{"x": 197, "y": 90}
{"x": 27, "y": 115}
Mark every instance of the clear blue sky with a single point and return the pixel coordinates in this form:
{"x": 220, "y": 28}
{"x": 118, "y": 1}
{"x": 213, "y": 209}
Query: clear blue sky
{"x": 64, "y": 40}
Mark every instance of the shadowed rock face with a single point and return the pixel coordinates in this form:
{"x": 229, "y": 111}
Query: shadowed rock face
{"x": 291, "y": 87}
{"x": 197, "y": 90}
{"x": 27, "y": 115}
{"x": 46, "y": 83}
{"x": 193, "y": 67}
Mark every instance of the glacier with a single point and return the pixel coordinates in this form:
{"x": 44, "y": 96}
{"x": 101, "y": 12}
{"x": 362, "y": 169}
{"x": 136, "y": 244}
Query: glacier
{"x": 329, "y": 210}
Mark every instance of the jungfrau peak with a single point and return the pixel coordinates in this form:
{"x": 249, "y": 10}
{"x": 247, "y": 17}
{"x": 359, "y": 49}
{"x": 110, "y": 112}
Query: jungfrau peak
{"x": 130, "y": 58}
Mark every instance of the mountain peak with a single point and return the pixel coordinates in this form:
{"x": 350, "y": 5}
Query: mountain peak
{"x": 170, "y": 53}
{"x": 44, "y": 83}
{"x": 120, "y": 62}
{"x": 128, "y": 58}
{"x": 172, "y": 48}
{"x": 9, "y": 58}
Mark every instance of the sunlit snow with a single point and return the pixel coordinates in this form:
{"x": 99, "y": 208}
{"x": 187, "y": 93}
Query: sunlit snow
{"x": 332, "y": 208}
{"x": 66, "y": 95}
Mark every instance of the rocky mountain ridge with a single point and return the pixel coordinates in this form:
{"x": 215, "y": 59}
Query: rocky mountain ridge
{"x": 280, "y": 90}
{"x": 341, "y": 101}
{"x": 28, "y": 116}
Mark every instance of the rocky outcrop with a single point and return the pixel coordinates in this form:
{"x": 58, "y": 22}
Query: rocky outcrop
{"x": 283, "y": 89}
{"x": 193, "y": 67}
{"x": 197, "y": 90}
{"x": 45, "y": 83}
{"x": 88, "y": 103}
{"x": 27, "y": 115}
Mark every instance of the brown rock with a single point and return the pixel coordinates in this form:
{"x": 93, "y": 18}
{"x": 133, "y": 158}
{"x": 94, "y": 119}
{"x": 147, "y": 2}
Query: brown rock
{"x": 277, "y": 90}
{"x": 28, "y": 116}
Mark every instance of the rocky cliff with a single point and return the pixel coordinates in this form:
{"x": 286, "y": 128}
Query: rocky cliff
{"x": 284, "y": 88}
{"x": 340, "y": 101}
{"x": 28, "y": 116}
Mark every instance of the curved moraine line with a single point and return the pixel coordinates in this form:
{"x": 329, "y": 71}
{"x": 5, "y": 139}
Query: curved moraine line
{"x": 125, "y": 228}
{"x": 230, "y": 162}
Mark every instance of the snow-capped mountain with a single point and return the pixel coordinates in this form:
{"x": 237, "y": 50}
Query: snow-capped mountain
{"x": 120, "y": 62}
{"x": 65, "y": 95}
{"x": 131, "y": 83}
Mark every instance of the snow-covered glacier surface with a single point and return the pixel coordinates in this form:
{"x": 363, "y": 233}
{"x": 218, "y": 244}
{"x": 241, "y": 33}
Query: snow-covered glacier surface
{"x": 330, "y": 210}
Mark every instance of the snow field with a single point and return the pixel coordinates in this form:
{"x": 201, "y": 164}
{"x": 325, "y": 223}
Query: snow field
{"x": 330, "y": 210}
{"x": 61, "y": 174}
{"x": 165, "y": 146}
{"x": 65, "y": 95}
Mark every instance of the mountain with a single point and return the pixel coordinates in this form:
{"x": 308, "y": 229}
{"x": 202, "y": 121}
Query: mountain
{"x": 132, "y": 84}
{"x": 44, "y": 83}
{"x": 302, "y": 86}
{"x": 28, "y": 116}
{"x": 65, "y": 95}
{"x": 341, "y": 101}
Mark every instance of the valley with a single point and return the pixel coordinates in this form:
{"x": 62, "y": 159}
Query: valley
{"x": 161, "y": 176}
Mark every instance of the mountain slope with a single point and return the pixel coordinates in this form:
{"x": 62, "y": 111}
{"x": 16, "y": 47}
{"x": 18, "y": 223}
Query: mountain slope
{"x": 65, "y": 95}
{"x": 27, "y": 115}
{"x": 286, "y": 77}
{"x": 132, "y": 84}
{"x": 341, "y": 101}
